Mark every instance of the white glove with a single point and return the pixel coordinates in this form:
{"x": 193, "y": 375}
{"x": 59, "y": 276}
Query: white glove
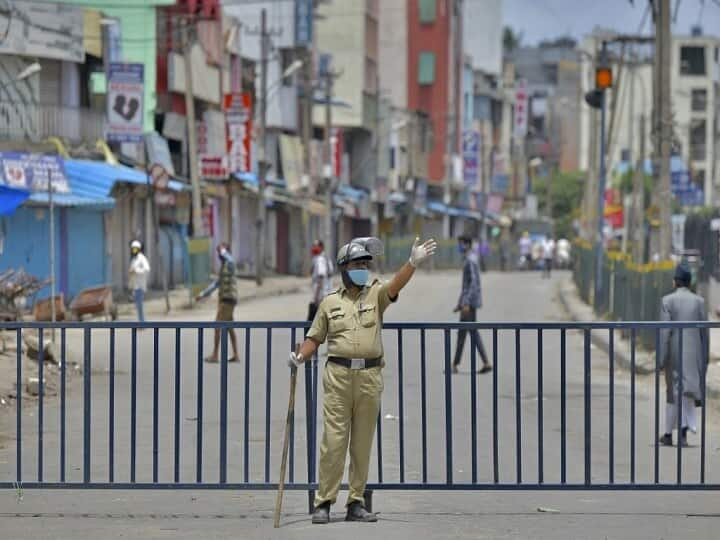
{"x": 420, "y": 252}
{"x": 295, "y": 360}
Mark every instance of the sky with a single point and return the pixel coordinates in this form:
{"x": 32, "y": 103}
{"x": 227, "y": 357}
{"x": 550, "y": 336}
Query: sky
{"x": 541, "y": 19}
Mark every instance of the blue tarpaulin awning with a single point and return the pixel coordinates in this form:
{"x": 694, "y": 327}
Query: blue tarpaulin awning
{"x": 97, "y": 178}
{"x": 10, "y": 199}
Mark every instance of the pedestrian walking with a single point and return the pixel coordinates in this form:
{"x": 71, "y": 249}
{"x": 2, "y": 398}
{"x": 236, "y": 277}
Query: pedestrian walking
{"x": 321, "y": 280}
{"x": 548, "y": 249}
{"x": 469, "y": 302}
{"x": 350, "y": 319}
{"x": 227, "y": 299}
{"x": 138, "y": 276}
{"x": 683, "y": 305}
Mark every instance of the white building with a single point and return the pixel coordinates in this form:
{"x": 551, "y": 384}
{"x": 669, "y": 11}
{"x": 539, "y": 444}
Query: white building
{"x": 695, "y": 83}
{"x": 482, "y": 35}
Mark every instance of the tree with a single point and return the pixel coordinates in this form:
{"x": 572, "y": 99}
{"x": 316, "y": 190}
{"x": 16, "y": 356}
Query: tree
{"x": 511, "y": 39}
{"x": 566, "y": 42}
{"x": 567, "y": 195}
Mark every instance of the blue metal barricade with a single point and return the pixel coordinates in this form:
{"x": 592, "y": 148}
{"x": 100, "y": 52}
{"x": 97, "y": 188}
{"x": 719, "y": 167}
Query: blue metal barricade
{"x": 145, "y": 411}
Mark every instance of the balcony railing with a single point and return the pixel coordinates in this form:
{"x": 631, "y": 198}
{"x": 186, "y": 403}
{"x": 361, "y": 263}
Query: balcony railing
{"x": 35, "y": 122}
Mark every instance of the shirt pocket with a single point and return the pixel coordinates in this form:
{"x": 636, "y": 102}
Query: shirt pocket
{"x": 338, "y": 321}
{"x": 368, "y": 316}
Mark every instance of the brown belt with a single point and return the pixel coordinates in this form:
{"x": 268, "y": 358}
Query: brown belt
{"x": 356, "y": 363}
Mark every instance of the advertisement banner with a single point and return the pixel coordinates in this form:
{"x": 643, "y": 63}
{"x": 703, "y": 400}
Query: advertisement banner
{"x": 33, "y": 172}
{"x": 336, "y": 143}
{"x": 125, "y": 90}
{"x": 238, "y": 111}
{"x": 303, "y": 23}
{"x": 471, "y": 157}
{"x": 521, "y": 109}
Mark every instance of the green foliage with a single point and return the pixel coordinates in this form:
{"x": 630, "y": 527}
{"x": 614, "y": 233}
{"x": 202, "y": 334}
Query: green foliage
{"x": 625, "y": 184}
{"x": 567, "y": 195}
{"x": 511, "y": 39}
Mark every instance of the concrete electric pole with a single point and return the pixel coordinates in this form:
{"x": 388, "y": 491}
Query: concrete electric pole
{"x": 262, "y": 157}
{"x": 197, "y": 218}
{"x": 663, "y": 40}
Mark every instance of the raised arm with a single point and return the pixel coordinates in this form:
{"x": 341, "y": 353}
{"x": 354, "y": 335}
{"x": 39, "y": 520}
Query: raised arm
{"x": 418, "y": 254}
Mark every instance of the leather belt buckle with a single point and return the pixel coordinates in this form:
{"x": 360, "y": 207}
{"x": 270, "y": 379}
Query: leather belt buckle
{"x": 357, "y": 363}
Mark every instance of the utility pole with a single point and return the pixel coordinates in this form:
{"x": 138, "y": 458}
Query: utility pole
{"x": 599, "y": 243}
{"x": 663, "y": 40}
{"x": 262, "y": 158}
{"x": 308, "y": 94}
{"x": 197, "y": 220}
{"x": 638, "y": 252}
{"x": 329, "y": 80}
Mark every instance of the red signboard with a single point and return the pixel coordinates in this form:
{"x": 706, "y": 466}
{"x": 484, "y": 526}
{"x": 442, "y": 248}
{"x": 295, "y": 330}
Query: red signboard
{"x": 238, "y": 112}
{"x": 336, "y": 143}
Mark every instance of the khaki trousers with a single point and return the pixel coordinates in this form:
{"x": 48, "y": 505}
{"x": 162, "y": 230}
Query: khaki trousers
{"x": 350, "y": 409}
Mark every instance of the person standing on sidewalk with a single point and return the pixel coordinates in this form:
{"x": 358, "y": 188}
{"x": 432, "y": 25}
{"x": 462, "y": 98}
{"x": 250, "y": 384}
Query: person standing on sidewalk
{"x": 351, "y": 320}
{"x": 138, "y": 277}
{"x": 469, "y": 302}
{"x": 321, "y": 280}
{"x": 227, "y": 299}
{"x": 683, "y": 305}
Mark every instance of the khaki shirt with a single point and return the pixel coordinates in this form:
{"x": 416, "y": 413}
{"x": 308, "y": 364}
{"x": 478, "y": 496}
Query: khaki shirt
{"x": 352, "y": 327}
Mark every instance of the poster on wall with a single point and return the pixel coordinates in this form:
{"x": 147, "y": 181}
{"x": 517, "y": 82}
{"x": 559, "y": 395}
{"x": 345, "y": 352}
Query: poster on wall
{"x": 471, "y": 157}
{"x": 33, "y": 172}
{"x": 125, "y": 90}
{"x": 238, "y": 112}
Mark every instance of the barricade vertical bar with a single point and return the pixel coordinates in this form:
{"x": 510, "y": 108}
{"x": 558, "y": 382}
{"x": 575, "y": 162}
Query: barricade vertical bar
{"x": 133, "y": 402}
{"x": 111, "y": 410}
{"x": 401, "y": 410}
{"x": 246, "y": 418}
{"x": 679, "y": 406}
{"x": 268, "y": 365}
{"x": 41, "y": 362}
{"x": 633, "y": 339}
{"x": 223, "y": 403}
{"x": 200, "y": 388}
{"x": 540, "y": 406}
{"x": 657, "y": 405}
{"x": 291, "y": 473}
{"x": 706, "y": 353}
{"x": 87, "y": 371}
{"x": 379, "y": 445}
{"x": 518, "y": 411}
{"x": 156, "y": 401}
{"x": 63, "y": 375}
{"x": 308, "y": 428}
{"x": 563, "y": 408}
{"x": 611, "y": 425}
{"x": 473, "y": 405}
{"x": 178, "y": 398}
{"x": 314, "y": 412}
{"x": 496, "y": 454}
{"x": 423, "y": 404}
{"x": 448, "y": 413}
{"x": 18, "y": 407}
{"x": 588, "y": 427}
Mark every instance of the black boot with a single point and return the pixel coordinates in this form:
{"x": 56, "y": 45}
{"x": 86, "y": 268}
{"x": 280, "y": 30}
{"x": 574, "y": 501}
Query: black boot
{"x": 321, "y": 515}
{"x": 683, "y": 438}
{"x": 356, "y": 512}
{"x": 666, "y": 440}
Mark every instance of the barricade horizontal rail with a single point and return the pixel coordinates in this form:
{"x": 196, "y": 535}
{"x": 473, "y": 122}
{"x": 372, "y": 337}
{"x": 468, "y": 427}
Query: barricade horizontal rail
{"x": 144, "y": 410}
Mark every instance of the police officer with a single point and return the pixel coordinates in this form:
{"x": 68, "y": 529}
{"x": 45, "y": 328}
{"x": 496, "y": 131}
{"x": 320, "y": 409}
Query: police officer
{"x": 351, "y": 320}
{"x": 227, "y": 299}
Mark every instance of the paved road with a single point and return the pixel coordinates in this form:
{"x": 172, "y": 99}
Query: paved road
{"x": 429, "y": 298}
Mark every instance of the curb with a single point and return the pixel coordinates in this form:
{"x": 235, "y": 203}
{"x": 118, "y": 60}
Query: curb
{"x": 128, "y": 309}
{"x": 622, "y": 358}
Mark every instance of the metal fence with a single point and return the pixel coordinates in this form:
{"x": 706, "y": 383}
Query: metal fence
{"x": 145, "y": 411}
{"x": 38, "y": 121}
{"x": 631, "y": 292}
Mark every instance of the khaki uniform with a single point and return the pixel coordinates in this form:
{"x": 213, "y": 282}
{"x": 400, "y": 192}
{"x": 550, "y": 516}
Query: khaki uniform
{"x": 353, "y": 329}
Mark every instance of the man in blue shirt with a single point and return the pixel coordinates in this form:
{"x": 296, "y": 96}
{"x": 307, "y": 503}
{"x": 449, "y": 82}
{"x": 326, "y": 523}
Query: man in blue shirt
{"x": 468, "y": 303}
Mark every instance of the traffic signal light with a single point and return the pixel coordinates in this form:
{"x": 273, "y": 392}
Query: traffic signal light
{"x": 603, "y": 77}
{"x": 594, "y": 98}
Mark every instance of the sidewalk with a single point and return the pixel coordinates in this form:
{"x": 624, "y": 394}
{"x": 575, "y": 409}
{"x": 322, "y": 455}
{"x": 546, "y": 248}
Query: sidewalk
{"x": 577, "y": 310}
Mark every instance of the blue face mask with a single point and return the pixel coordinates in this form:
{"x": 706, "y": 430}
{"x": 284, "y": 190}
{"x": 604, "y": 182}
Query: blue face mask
{"x": 359, "y": 276}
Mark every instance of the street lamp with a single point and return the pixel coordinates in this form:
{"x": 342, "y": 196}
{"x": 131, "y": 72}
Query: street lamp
{"x": 29, "y": 71}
